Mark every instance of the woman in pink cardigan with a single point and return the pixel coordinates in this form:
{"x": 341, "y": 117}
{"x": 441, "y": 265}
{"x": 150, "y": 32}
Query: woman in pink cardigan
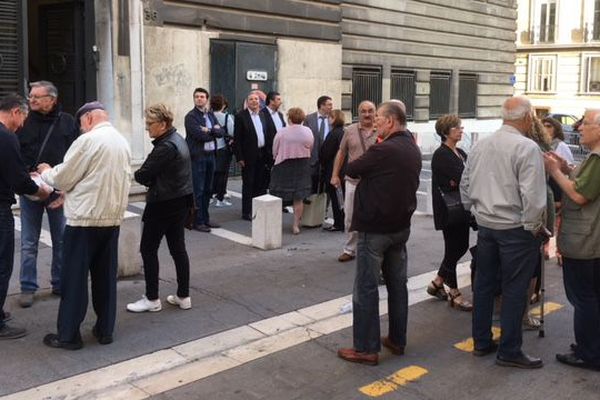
{"x": 290, "y": 178}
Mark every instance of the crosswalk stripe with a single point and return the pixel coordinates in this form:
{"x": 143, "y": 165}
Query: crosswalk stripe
{"x": 167, "y": 369}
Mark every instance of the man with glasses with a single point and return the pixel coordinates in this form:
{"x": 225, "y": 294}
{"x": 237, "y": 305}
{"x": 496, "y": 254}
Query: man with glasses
{"x": 13, "y": 178}
{"x": 45, "y": 138}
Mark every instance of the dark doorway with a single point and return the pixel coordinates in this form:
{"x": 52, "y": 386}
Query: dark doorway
{"x": 61, "y": 37}
{"x": 236, "y": 68}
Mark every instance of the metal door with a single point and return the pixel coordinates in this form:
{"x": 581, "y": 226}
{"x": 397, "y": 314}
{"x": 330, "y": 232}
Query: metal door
{"x": 240, "y": 67}
{"x": 66, "y": 39}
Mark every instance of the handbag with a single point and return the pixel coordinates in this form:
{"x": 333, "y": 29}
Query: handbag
{"x": 190, "y": 219}
{"x": 455, "y": 212}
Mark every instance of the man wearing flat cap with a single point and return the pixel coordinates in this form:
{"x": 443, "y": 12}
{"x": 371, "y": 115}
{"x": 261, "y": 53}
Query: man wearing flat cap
{"x": 95, "y": 177}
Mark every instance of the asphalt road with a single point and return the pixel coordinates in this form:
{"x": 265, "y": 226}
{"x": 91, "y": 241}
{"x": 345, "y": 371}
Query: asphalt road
{"x": 233, "y": 286}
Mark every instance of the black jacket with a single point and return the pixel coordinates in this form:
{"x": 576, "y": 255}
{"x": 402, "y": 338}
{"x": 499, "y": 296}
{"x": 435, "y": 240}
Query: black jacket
{"x": 328, "y": 151}
{"x": 386, "y": 196}
{"x": 167, "y": 172}
{"x": 270, "y": 128}
{"x": 13, "y": 175}
{"x": 446, "y": 171}
{"x": 246, "y": 141}
{"x": 195, "y": 120}
{"x": 34, "y": 131}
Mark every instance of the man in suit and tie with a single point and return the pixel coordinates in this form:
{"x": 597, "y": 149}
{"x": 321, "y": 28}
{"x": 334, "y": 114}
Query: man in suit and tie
{"x": 318, "y": 122}
{"x": 273, "y": 117}
{"x": 253, "y": 152}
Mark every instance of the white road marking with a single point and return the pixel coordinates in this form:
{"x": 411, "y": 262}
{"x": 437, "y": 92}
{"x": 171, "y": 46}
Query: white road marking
{"x": 168, "y": 369}
{"x": 233, "y": 236}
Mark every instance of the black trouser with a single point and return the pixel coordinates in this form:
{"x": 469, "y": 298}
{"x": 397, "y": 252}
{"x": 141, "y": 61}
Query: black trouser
{"x": 7, "y": 251}
{"x": 93, "y": 249}
{"x": 221, "y": 173}
{"x": 456, "y": 244}
{"x": 152, "y": 233}
{"x": 338, "y": 213}
{"x": 255, "y": 181}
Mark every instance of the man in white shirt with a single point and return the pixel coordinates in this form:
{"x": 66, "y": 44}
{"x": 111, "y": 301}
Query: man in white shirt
{"x": 504, "y": 185}
{"x": 274, "y": 119}
{"x": 253, "y": 147}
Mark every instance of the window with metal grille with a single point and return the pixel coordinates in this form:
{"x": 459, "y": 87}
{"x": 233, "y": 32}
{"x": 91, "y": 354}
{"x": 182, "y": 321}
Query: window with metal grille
{"x": 403, "y": 88}
{"x": 366, "y": 85}
{"x": 439, "y": 94}
{"x": 467, "y": 95}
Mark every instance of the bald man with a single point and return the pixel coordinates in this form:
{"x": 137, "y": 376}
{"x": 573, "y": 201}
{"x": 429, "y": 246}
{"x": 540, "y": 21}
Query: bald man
{"x": 357, "y": 140}
{"x": 504, "y": 184}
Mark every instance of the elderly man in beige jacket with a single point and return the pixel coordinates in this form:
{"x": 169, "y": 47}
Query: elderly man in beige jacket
{"x": 95, "y": 177}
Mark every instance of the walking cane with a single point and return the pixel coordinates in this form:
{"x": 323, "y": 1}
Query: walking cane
{"x": 546, "y": 235}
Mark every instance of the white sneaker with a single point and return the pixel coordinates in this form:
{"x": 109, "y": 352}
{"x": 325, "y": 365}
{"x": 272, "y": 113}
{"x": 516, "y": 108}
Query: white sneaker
{"x": 227, "y": 203}
{"x": 144, "y": 305}
{"x": 220, "y": 204}
{"x": 183, "y": 303}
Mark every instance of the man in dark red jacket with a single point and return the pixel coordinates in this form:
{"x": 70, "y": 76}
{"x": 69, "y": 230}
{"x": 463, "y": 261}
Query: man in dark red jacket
{"x": 384, "y": 203}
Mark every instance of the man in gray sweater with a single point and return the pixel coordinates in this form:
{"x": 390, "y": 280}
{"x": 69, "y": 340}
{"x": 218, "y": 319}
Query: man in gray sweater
{"x": 504, "y": 184}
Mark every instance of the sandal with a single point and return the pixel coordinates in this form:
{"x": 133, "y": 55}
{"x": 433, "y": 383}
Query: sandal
{"x": 456, "y": 301}
{"x": 531, "y": 324}
{"x": 437, "y": 291}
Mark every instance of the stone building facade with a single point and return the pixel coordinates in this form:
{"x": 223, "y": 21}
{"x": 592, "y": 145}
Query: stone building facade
{"x": 438, "y": 56}
{"x": 558, "y": 55}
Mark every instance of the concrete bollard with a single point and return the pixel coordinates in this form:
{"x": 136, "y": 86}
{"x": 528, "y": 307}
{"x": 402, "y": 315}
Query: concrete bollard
{"x": 130, "y": 260}
{"x": 266, "y": 222}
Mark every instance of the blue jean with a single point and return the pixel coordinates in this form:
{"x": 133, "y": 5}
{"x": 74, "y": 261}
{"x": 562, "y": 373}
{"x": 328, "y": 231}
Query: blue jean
{"x": 7, "y": 248}
{"x": 203, "y": 170}
{"x": 511, "y": 254}
{"x": 582, "y": 285}
{"x": 93, "y": 251}
{"x": 387, "y": 253}
{"x": 31, "y": 226}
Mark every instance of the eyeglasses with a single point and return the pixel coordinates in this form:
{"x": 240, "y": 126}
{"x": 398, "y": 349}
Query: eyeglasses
{"x": 584, "y": 122}
{"x": 548, "y": 126}
{"x": 458, "y": 127}
{"x": 150, "y": 123}
{"x": 33, "y": 97}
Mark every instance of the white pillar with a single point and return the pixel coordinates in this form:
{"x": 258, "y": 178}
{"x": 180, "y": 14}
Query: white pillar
{"x": 266, "y": 222}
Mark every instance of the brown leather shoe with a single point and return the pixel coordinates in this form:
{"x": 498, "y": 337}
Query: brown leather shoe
{"x": 346, "y": 257}
{"x": 394, "y": 348}
{"x": 358, "y": 357}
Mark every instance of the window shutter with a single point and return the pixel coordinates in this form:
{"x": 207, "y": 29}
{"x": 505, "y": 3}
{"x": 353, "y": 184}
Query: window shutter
{"x": 10, "y": 47}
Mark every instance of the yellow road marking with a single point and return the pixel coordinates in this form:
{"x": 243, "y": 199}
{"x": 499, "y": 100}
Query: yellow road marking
{"x": 549, "y": 307}
{"x": 393, "y": 382}
{"x": 468, "y": 345}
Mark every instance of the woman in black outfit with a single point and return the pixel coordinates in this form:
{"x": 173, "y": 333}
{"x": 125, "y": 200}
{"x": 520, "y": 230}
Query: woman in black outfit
{"x": 447, "y": 166}
{"x": 167, "y": 172}
{"x": 327, "y": 154}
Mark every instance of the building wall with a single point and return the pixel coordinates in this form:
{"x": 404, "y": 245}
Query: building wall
{"x": 440, "y": 35}
{"x": 306, "y": 36}
{"x": 572, "y": 42}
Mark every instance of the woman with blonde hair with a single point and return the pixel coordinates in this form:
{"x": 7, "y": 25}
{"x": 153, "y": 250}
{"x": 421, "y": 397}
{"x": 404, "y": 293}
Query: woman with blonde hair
{"x": 290, "y": 177}
{"x": 167, "y": 172}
